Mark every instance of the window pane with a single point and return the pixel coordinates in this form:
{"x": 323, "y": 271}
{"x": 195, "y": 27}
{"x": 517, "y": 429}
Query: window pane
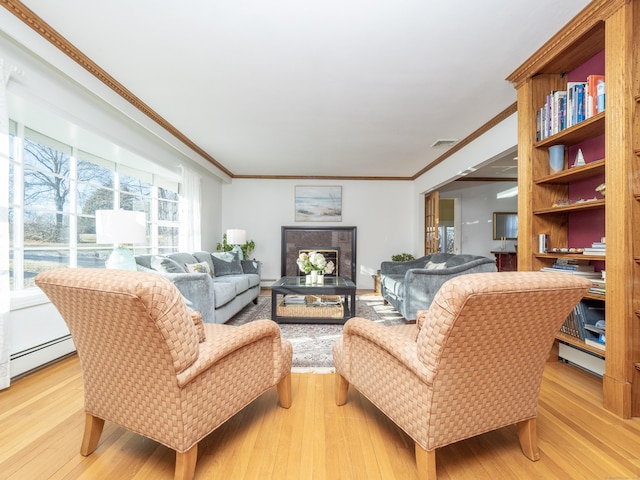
{"x": 94, "y": 173}
{"x": 167, "y": 211}
{"x": 167, "y": 236}
{"x": 135, "y": 186}
{"x": 45, "y": 192}
{"x": 45, "y": 229}
{"x": 135, "y": 203}
{"x": 92, "y": 198}
{"x": 93, "y": 258}
{"x": 36, "y": 261}
{"x": 167, "y": 194}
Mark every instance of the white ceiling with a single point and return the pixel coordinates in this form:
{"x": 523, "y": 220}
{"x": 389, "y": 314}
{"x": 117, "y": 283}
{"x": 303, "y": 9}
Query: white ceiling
{"x": 291, "y": 87}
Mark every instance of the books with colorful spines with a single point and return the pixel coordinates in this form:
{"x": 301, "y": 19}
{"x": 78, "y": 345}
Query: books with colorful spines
{"x": 575, "y": 102}
{"x": 570, "y": 325}
{"x": 600, "y": 96}
{"x": 592, "y": 94}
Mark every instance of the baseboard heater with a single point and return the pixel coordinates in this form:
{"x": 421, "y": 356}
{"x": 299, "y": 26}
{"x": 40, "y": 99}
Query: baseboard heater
{"x": 585, "y": 360}
{"x": 34, "y": 358}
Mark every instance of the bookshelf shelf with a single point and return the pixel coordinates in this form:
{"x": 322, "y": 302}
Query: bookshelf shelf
{"x": 576, "y": 133}
{"x": 564, "y": 177}
{"x": 576, "y": 342}
{"x": 574, "y": 207}
{"x": 572, "y": 256}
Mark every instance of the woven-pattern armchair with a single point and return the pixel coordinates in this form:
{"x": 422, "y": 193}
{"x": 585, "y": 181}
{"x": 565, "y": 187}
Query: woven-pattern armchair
{"x": 472, "y": 363}
{"x": 152, "y": 367}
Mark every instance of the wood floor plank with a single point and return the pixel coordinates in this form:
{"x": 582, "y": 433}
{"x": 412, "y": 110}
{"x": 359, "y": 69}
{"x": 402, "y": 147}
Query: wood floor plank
{"x": 42, "y": 421}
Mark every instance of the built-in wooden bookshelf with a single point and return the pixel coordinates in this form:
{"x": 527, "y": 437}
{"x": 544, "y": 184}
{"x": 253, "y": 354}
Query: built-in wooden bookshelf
{"x": 600, "y": 37}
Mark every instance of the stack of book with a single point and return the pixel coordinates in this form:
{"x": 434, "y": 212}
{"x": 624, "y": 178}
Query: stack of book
{"x": 598, "y": 286}
{"x": 586, "y": 323}
{"x": 597, "y": 248}
{"x": 573, "y": 267}
{"x": 295, "y": 300}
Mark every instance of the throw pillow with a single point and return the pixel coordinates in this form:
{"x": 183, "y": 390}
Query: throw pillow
{"x": 166, "y": 265}
{"x": 200, "y": 267}
{"x": 226, "y": 263}
{"x": 435, "y": 266}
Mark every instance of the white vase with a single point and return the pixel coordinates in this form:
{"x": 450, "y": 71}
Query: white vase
{"x": 320, "y": 279}
{"x": 314, "y": 277}
{"x": 308, "y": 279}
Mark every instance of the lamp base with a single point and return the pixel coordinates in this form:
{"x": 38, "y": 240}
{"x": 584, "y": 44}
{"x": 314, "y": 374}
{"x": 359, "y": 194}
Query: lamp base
{"x": 238, "y": 251}
{"x": 121, "y": 259}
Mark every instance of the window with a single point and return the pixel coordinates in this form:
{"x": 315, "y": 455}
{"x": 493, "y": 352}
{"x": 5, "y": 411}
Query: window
{"x": 54, "y": 191}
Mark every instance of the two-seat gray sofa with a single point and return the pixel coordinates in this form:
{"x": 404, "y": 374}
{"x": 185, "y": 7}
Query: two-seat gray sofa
{"x": 217, "y": 284}
{"x": 410, "y": 286}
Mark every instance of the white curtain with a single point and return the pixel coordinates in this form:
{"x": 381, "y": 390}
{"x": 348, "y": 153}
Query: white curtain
{"x": 190, "y": 232}
{"x": 5, "y": 299}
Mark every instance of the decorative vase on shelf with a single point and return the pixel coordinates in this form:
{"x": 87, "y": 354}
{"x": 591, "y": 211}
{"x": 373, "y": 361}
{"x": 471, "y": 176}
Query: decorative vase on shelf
{"x": 307, "y": 279}
{"x": 314, "y": 277}
{"x": 556, "y": 158}
{"x": 320, "y": 278}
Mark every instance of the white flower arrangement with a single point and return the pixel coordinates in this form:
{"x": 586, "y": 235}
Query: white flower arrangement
{"x": 314, "y": 261}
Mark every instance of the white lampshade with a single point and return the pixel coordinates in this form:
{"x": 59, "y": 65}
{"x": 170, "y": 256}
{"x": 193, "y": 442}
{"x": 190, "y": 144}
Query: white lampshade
{"x": 120, "y": 226}
{"x": 236, "y": 236}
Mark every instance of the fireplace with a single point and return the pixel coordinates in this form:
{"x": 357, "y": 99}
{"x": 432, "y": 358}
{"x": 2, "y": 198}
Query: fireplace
{"x": 336, "y": 243}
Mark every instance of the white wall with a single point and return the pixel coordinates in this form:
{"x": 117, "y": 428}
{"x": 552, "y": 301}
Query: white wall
{"x": 382, "y": 210}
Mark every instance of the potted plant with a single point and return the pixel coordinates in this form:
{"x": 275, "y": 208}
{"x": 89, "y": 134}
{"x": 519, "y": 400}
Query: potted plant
{"x": 402, "y": 257}
{"x": 247, "y": 248}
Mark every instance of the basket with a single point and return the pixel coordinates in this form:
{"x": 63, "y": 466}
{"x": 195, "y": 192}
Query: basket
{"x": 312, "y": 311}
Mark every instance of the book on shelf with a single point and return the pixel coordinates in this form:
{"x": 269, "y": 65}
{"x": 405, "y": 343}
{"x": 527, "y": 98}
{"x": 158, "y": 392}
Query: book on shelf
{"x": 594, "y": 83}
{"x": 598, "y": 286}
{"x": 583, "y": 320}
{"x": 572, "y": 272}
{"x": 595, "y": 334}
{"x": 573, "y": 267}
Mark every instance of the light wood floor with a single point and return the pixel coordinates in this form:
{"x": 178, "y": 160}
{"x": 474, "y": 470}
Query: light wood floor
{"x": 41, "y": 425}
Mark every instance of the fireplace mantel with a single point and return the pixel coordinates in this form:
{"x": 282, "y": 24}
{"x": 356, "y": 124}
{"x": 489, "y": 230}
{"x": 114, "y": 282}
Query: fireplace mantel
{"x": 342, "y": 239}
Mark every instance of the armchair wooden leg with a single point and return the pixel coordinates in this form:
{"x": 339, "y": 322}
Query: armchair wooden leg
{"x": 426, "y": 463}
{"x": 341, "y": 388}
{"x": 284, "y": 391}
{"x": 528, "y": 436}
{"x": 92, "y": 430}
{"x": 186, "y": 464}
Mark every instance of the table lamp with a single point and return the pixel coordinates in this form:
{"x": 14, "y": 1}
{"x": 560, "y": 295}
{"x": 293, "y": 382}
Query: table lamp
{"x": 121, "y": 227}
{"x": 237, "y": 237}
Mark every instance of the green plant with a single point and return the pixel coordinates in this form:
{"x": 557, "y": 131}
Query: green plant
{"x": 247, "y": 248}
{"x": 402, "y": 257}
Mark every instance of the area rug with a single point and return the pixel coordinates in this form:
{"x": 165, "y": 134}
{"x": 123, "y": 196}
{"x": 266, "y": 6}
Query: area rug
{"x": 312, "y": 343}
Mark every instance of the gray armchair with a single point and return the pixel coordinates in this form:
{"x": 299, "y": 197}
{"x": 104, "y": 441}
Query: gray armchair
{"x": 410, "y": 286}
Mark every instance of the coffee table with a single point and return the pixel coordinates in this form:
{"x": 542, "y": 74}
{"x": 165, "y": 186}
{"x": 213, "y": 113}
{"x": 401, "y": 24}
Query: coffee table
{"x": 340, "y": 288}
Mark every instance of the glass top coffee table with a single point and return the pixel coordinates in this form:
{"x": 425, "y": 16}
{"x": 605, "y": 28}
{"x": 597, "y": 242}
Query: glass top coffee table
{"x": 294, "y": 301}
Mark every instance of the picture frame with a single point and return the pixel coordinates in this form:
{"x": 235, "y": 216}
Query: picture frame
{"x": 318, "y": 203}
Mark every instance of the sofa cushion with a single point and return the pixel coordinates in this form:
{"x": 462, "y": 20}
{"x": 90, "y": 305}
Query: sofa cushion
{"x": 393, "y": 284}
{"x": 240, "y": 282}
{"x": 166, "y": 265}
{"x": 226, "y": 263}
{"x": 183, "y": 259}
{"x": 435, "y": 266}
{"x": 205, "y": 257}
{"x": 200, "y": 267}
{"x": 223, "y": 291}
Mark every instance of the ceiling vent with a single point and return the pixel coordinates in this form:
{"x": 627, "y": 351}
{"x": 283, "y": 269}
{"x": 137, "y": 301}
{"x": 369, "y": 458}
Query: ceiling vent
{"x": 444, "y": 143}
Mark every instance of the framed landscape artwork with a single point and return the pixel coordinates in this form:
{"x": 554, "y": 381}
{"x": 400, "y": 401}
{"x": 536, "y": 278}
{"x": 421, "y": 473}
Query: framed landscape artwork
{"x": 318, "y": 203}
